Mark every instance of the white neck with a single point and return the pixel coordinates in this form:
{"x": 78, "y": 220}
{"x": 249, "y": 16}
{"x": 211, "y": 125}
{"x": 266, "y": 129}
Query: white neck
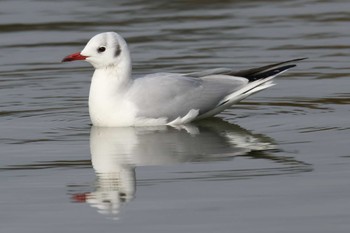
{"x": 114, "y": 78}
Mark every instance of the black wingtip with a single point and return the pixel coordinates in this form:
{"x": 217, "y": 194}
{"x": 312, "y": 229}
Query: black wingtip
{"x": 267, "y": 71}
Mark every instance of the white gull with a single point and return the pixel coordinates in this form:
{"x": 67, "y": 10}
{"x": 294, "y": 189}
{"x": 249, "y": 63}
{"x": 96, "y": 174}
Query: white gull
{"x": 118, "y": 99}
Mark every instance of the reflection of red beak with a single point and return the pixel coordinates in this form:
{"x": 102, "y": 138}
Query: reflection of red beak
{"x": 79, "y": 197}
{"x": 74, "y": 57}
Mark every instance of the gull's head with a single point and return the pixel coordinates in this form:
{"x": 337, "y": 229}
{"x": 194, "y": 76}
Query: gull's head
{"x": 103, "y": 50}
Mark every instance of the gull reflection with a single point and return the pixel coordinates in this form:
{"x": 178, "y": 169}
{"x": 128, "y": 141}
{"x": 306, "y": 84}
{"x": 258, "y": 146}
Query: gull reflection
{"x": 115, "y": 152}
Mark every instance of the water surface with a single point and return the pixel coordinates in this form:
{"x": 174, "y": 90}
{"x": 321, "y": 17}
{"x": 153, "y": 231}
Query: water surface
{"x": 277, "y": 162}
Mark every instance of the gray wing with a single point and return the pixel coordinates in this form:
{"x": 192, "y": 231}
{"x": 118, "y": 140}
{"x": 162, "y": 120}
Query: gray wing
{"x": 173, "y": 95}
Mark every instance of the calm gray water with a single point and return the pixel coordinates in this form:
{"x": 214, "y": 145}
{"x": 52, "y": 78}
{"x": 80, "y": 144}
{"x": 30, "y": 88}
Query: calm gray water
{"x": 277, "y": 162}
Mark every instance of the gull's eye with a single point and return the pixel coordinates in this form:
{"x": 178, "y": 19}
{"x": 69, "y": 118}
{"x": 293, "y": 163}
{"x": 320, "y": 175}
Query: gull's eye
{"x": 101, "y": 49}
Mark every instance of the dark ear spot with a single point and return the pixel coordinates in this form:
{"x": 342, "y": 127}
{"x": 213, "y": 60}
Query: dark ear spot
{"x": 117, "y": 51}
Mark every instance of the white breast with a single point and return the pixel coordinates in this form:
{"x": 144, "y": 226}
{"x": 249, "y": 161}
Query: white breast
{"x": 108, "y": 105}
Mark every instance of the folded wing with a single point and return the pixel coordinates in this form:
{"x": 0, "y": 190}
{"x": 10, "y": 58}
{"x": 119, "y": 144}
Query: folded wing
{"x": 208, "y": 92}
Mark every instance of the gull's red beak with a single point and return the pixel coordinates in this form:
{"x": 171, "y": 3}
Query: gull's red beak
{"x": 74, "y": 57}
